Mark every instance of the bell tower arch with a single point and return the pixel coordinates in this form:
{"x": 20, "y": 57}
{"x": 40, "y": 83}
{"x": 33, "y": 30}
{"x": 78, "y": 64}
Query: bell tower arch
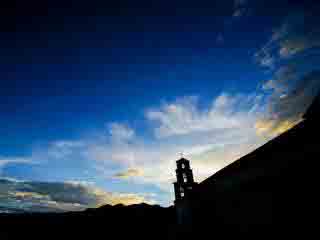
{"x": 185, "y": 181}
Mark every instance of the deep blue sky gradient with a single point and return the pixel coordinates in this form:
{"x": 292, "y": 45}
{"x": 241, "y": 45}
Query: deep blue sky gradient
{"x": 67, "y": 68}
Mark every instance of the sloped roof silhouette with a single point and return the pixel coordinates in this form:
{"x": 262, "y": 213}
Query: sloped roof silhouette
{"x": 313, "y": 111}
{"x": 261, "y": 162}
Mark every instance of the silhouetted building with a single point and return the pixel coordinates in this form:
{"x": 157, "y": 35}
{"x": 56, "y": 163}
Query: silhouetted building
{"x": 183, "y": 188}
{"x": 269, "y": 192}
{"x": 313, "y": 112}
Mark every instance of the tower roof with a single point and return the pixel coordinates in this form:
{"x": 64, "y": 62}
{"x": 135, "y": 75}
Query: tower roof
{"x": 183, "y": 160}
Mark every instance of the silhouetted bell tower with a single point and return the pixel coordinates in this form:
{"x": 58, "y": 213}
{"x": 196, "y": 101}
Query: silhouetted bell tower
{"x": 185, "y": 182}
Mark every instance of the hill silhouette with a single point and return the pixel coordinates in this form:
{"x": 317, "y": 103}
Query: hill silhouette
{"x": 121, "y": 222}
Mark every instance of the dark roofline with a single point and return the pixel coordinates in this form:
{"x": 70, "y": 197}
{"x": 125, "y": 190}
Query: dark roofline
{"x": 313, "y": 112}
{"x": 247, "y": 159}
{"x": 314, "y": 109}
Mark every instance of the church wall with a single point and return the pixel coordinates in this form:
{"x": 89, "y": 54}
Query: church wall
{"x": 266, "y": 195}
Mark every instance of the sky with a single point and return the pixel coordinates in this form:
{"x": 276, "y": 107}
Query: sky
{"x": 98, "y": 100}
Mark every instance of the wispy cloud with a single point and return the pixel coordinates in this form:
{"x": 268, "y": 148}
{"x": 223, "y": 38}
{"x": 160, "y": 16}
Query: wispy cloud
{"x": 240, "y": 8}
{"x": 296, "y": 78}
{"x": 4, "y": 162}
{"x": 298, "y": 33}
{"x": 120, "y": 132}
{"x": 297, "y": 44}
{"x": 183, "y": 126}
{"x": 185, "y": 117}
{"x": 291, "y": 95}
{"x": 213, "y": 136}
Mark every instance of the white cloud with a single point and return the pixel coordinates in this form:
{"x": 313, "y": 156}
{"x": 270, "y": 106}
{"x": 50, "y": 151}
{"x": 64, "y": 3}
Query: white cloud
{"x": 120, "y": 132}
{"x": 185, "y": 117}
{"x": 63, "y": 148}
{"x": 7, "y": 161}
{"x": 265, "y": 57}
{"x": 202, "y": 133}
{"x": 212, "y": 137}
{"x": 182, "y": 126}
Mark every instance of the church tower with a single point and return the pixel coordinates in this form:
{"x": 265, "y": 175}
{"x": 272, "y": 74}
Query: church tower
{"x": 185, "y": 181}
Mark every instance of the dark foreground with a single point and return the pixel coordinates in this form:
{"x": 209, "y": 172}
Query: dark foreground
{"x": 119, "y": 222}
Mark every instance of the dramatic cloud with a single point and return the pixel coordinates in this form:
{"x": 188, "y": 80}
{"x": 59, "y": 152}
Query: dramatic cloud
{"x": 298, "y": 33}
{"x": 213, "y": 136}
{"x": 184, "y": 126}
{"x": 290, "y": 98}
{"x": 295, "y": 45}
{"x": 184, "y": 117}
{"x": 59, "y": 197}
{"x": 296, "y": 79}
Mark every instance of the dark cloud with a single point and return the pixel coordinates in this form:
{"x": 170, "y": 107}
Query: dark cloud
{"x": 291, "y": 54}
{"x": 17, "y": 196}
{"x": 298, "y": 33}
{"x": 296, "y": 96}
{"x": 289, "y": 100}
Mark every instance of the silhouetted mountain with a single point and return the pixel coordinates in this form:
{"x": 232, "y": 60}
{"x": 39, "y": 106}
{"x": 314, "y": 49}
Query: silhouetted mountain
{"x": 134, "y": 222}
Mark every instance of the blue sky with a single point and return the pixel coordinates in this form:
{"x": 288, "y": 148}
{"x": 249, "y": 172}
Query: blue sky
{"x": 103, "y": 98}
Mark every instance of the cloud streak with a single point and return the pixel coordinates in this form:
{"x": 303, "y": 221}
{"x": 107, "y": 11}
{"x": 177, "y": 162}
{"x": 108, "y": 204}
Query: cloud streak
{"x": 184, "y": 116}
{"x": 298, "y": 33}
{"x": 60, "y": 196}
{"x": 291, "y": 96}
{"x": 4, "y": 162}
{"x": 213, "y": 136}
{"x": 296, "y": 79}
